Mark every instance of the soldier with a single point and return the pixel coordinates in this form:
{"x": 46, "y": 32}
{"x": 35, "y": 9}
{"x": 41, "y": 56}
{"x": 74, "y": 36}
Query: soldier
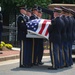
{"x": 35, "y": 40}
{"x": 34, "y": 13}
{"x": 40, "y": 13}
{"x": 69, "y": 28}
{"x": 64, "y": 36}
{"x": 40, "y": 40}
{"x": 22, "y": 31}
{"x": 29, "y": 41}
{"x": 71, "y": 33}
{"x": 55, "y": 37}
{"x": 28, "y": 13}
{"x": 1, "y": 28}
{"x": 71, "y": 14}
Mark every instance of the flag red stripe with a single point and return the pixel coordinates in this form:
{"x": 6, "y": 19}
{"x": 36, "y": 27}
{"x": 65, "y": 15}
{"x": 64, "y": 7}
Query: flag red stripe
{"x": 43, "y": 26}
{"x": 46, "y": 33}
{"x": 47, "y": 29}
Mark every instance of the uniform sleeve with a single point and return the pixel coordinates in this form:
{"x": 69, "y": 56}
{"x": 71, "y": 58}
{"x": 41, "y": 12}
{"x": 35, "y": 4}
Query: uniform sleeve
{"x": 50, "y": 28}
{"x": 73, "y": 29}
{"x": 21, "y": 23}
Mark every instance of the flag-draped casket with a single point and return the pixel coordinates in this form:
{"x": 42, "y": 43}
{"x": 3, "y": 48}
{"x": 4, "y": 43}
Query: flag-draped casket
{"x": 39, "y": 27}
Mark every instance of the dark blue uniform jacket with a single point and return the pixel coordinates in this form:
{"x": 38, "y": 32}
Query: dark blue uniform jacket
{"x": 65, "y": 28}
{"x": 55, "y": 30}
{"x": 22, "y": 28}
{"x": 73, "y": 30}
{"x": 70, "y": 29}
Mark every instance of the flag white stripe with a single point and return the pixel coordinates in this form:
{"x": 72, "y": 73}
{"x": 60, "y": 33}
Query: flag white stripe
{"x": 45, "y": 29}
{"x": 39, "y": 26}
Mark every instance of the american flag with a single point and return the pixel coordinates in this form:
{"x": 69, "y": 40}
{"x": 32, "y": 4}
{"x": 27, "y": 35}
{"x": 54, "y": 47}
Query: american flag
{"x": 39, "y": 27}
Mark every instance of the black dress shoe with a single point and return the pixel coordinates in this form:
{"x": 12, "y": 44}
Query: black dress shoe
{"x": 31, "y": 65}
{"x": 35, "y": 64}
{"x": 51, "y": 68}
{"x": 21, "y": 66}
{"x": 66, "y": 66}
{"x": 25, "y": 66}
{"x": 40, "y": 63}
{"x": 61, "y": 67}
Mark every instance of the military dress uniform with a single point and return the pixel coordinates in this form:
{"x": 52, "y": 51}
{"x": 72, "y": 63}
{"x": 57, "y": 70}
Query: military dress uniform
{"x": 64, "y": 41}
{"x": 29, "y": 45}
{"x": 35, "y": 40}
{"x": 22, "y": 31}
{"x": 73, "y": 33}
{"x": 35, "y": 43}
{"x": 70, "y": 40}
{"x": 55, "y": 37}
{"x": 38, "y": 45}
{"x": 72, "y": 12}
{"x": 40, "y": 42}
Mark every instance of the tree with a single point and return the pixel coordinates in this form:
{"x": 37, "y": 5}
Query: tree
{"x": 9, "y": 6}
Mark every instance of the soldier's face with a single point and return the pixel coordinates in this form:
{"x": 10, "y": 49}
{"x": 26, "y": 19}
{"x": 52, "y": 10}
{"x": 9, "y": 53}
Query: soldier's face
{"x": 23, "y": 11}
{"x": 40, "y": 15}
{"x": 55, "y": 14}
{"x": 29, "y": 13}
{"x": 35, "y": 12}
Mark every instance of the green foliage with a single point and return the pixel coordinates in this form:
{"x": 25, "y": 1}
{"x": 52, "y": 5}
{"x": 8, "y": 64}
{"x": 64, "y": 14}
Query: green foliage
{"x": 9, "y": 5}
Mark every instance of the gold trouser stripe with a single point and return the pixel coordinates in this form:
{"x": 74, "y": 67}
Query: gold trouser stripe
{"x": 33, "y": 51}
{"x": 52, "y": 55}
{"x": 22, "y": 52}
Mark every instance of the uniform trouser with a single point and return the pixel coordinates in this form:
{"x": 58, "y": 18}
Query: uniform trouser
{"x": 70, "y": 53}
{"x": 55, "y": 55}
{"x": 36, "y": 48}
{"x": 40, "y": 50}
{"x": 65, "y": 53}
{"x": 29, "y": 45}
{"x": 25, "y": 52}
{"x": 51, "y": 52}
{"x": 22, "y": 53}
{"x": 61, "y": 61}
